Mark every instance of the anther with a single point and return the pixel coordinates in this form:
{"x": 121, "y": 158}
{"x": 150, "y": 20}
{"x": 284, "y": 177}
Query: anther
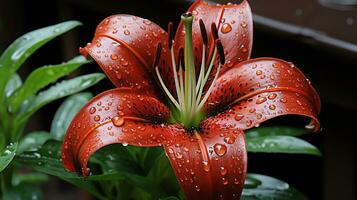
{"x": 170, "y": 32}
{"x": 157, "y": 54}
{"x": 220, "y": 49}
{"x": 214, "y": 31}
{"x": 187, "y": 15}
{"x": 203, "y": 32}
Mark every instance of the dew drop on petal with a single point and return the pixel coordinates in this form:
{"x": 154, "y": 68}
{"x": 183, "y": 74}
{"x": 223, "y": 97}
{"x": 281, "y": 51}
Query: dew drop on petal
{"x": 261, "y": 100}
{"x": 283, "y": 100}
{"x": 220, "y": 149}
{"x": 113, "y": 57}
{"x": 123, "y": 62}
{"x": 272, "y": 96}
{"x": 92, "y": 110}
{"x": 206, "y": 166}
{"x": 118, "y": 121}
{"x": 223, "y": 171}
{"x": 238, "y": 117}
{"x": 229, "y": 140}
{"x": 96, "y": 118}
{"x": 272, "y": 107}
{"x": 126, "y": 32}
{"x": 226, "y": 28}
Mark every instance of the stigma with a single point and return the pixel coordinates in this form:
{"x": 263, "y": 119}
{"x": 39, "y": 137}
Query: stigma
{"x": 191, "y": 88}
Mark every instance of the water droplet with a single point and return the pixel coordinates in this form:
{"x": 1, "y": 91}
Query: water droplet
{"x": 124, "y": 62}
{"x": 126, "y": 32}
{"x": 113, "y": 57}
{"x": 283, "y": 100}
{"x": 125, "y": 144}
{"x": 310, "y": 126}
{"x": 243, "y": 24}
{"x": 252, "y": 110}
{"x": 197, "y": 188}
{"x": 272, "y": 107}
{"x": 92, "y": 110}
{"x": 259, "y": 72}
{"x": 96, "y": 118}
{"x": 223, "y": 171}
{"x": 118, "y": 121}
{"x": 229, "y": 140}
{"x": 224, "y": 181}
{"x": 147, "y": 22}
{"x": 259, "y": 116}
{"x": 238, "y": 117}
{"x": 243, "y": 49}
{"x": 226, "y": 28}
{"x": 178, "y": 155}
{"x": 206, "y": 166}
{"x": 220, "y": 149}
{"x": 236, "y": 181}
{"x": 272, "y": 96}
{"x": 98, "y": 44}
{"x": 261, "y": 100}
{"x": 299, "y": 102}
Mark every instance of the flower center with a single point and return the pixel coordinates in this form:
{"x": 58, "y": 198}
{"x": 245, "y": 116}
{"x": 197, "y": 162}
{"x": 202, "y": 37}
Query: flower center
{"x": 190, "y": 95}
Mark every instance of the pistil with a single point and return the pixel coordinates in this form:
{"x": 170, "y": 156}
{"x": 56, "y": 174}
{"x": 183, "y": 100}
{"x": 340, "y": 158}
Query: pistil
{"x": 189, "y": 90}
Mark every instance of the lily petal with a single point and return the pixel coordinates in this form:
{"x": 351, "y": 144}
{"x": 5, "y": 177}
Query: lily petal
{"x": 260, "y": 89}
{"x": 124, "y": 46}
{"x": 115, "y": 116}
{"x": 235, "y": 30}
{"x": 210, "y": 164}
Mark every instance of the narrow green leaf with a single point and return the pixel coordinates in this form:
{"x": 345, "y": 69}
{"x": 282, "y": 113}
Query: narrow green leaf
{"x": 23, "y": 192}
{"x": 32, "y": 141}
{"x": 275, "y": 130}
{"x": 32, "y": 178}
{"x": 281, "y": 144}
{"x": 14, "y": 83}
{"x": 6, "y": 155}
{"x": 43, "y": 76}
{"x": 66, "y": 112}
{"x": 261, "y": 187}
{"x": 23, "y": 47}
{"x": 58, "y": 91}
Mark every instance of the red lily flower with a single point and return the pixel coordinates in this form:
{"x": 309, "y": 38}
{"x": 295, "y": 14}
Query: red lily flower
{"x": 176, "y": 93}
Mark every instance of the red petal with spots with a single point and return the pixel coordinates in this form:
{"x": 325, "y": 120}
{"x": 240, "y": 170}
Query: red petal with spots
{"x": 124, "y": 46}
{"x": 210, "y": 164}
{"x": 235, "y": 29}
{"x": 115, "y": 116}
{"x": 260, "y": 89}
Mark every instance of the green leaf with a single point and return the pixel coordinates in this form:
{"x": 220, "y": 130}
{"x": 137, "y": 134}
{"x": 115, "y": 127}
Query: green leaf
{"x": 66, "y": 112}
{"x": 14, "y": 83}
{"x": 33, "y": 140}
{"x": 43, "y": 76}
{"x": 261, "y": 187}
{"x": 23, "y": 192}
{"x": 275, "y": 130}
{"x": 23, "y": 47}
{"x": 281, "y": 144}
{"x": 7, "y": 154}
{"x": 33, "y": 178}
{"x": 116, "y": 159}
{"x": 58, "y": 91}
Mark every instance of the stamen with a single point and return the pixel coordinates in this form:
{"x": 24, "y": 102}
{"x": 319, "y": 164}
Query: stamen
{"x": 173, "y": 100}
{"x": 203, "y": 32}
{"x": 214, "y": 31}
{"x": 180, "y": 59}
{"x": 157, "y": 54}
{"x": 170, "y": 34}
{"x": 220, "y": 49}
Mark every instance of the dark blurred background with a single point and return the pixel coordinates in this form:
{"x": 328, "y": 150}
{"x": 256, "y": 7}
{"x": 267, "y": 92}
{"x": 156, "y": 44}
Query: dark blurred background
{"x": 319, "y": 36}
